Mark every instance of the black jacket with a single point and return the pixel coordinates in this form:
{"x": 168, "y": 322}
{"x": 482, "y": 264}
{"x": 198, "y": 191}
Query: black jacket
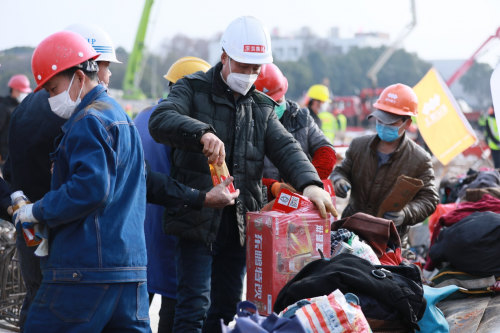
{"x": 33, "y": 128}
{"x": 299, "y": 122}
{"x": 471, "y": 245}
{"x": 7, "y": 106}
{"x": 250, "y": 130}
{"x": 401, "y": 289}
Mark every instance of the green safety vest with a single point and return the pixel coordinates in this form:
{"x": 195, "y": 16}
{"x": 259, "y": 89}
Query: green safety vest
{"x": 492, "y": 125}
{"x": 342, "y": 122}
{"x": 329, "y": 126}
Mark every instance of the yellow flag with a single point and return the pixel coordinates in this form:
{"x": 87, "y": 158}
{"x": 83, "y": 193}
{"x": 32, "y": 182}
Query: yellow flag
{"x": 440, "y": 121}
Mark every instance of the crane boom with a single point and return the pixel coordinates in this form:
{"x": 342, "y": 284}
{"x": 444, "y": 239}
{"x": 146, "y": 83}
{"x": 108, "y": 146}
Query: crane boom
{"x": 468, "y": 63}
{"x": 377, "y": 66}
{"x": 130, "y": 84}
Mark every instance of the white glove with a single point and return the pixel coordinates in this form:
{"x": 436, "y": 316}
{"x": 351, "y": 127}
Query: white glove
{"x": 23, "y": 217}
{"x": 321, "y": 199}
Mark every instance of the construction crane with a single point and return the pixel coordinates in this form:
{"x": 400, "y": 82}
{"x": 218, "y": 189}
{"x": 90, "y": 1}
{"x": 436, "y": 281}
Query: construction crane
{"x": 131, "y": 80}
{"x": 468, "y": 64}
{"x": 377, "y": 66}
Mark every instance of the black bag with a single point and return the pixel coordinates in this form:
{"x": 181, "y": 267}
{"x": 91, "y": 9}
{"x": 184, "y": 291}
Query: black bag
{"x": 398, "y": 287}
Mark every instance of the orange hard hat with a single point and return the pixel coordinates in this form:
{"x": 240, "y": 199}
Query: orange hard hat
{"x": 20, "y": 82}
{"x": 398, "y": 99}
{"x": 272, "y": 82}
{"x": 58, "y": 52}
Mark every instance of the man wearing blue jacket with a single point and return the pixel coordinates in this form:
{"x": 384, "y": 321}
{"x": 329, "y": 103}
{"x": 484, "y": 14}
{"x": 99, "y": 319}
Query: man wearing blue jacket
{"x": 94, "y": 276}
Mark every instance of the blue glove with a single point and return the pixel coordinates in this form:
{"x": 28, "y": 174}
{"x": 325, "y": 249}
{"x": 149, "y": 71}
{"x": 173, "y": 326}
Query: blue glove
{"x": 341, "y": 188}
{"x": 397, "y": 217}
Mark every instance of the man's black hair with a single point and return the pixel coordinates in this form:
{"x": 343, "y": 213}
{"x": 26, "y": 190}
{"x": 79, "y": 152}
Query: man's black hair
{"x": 71, "y": 71}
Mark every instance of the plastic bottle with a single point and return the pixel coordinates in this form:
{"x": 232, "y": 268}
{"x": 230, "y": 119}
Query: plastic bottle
{"x": 18, "y": 200}
{"x": 220, "y": 174}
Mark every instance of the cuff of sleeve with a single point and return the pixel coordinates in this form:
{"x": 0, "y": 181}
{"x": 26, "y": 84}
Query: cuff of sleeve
{"x": 316, "y": 183}
{"x": 200, "y": 201}
{"x": 192, "y": 199}
{"x": 37, "y": 211}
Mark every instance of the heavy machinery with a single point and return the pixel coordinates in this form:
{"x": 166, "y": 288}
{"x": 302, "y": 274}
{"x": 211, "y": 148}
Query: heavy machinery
{"x": 131, "y": 80}
{"x": 468, "y": 63}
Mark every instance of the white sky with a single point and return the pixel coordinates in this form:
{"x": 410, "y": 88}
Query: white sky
{"x": 446, "y": 29}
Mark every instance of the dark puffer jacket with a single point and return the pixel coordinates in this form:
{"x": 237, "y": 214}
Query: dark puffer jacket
{"x": 371, "y": 185}
{"x": 250, "y": 130}
{"x": 301, "y": 125}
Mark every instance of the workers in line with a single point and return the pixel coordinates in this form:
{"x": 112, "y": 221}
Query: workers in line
{"x": 35, "y": 125}
{"x": 492, "y": 136}
{"x": 162, "y": 279}
{"x": 218, "y": 117}
{"x": 19, "y": 86}
{"x": 300, "y": 124}
{"x": 373, "y": 163}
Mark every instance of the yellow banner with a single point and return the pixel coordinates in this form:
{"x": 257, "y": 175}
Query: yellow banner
{"x": 440, "y": 120}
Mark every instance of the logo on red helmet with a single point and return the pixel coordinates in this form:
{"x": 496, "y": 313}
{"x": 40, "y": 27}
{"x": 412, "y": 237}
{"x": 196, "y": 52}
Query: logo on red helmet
{"x": 254, "y": 48}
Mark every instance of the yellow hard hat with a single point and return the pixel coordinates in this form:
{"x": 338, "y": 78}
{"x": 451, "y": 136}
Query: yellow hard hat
{"x": 185, "y": 66}
{"x": 319, "y": 92}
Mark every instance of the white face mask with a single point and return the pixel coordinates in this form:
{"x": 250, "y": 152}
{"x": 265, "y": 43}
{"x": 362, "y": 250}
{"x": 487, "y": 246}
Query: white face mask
{"x": 21, "y": 97}
{"x": 240, "y": 83}
{"x": 62, "y": 105}
{"x": 324, "y": 107}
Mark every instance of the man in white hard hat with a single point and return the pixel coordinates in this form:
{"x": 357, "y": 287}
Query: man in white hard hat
{"x": 219, "y": 117}
{"x": 102, "y": 43}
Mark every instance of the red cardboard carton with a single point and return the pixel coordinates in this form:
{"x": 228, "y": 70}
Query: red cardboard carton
{"x": 279, "y": 245}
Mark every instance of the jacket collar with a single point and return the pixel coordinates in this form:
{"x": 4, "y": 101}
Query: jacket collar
{"x": 402, "y": 144}
{"x": 80, "y": 109}
{"x": 292, "y": 108}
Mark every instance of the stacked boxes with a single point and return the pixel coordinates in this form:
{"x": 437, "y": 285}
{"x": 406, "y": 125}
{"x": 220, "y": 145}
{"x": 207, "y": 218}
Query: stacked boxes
{"x": 280, "y": 244}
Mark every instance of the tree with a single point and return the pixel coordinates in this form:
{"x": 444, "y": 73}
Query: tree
{"x": 347, "y": 72}
{"x": 477, "y": 83}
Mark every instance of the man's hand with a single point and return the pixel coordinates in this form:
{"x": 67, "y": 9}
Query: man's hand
{"x": 213, "y": 148}
{"x": 219, "y": 197}
{"x": 341, "y": 188}
{"x": 10, "y": 211}
{"x": 397, "y": 217}
{"x": 321, "y": 199}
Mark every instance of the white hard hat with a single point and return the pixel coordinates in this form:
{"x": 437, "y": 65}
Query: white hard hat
{"x": 246, "y": 40}
{"x": 98, "y": 38}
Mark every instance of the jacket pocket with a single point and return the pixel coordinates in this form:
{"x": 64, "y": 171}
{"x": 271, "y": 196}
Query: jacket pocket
{"x": 88, "y": 297}
{"x": 142, "y": 301}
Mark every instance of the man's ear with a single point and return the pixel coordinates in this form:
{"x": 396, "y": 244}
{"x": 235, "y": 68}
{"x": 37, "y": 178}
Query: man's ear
{"x": 408, "y": 123}
{"x": 223, "y": 57}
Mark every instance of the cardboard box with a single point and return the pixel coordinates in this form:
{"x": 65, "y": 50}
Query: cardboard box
{"x": 279, "y": 245}
{"x": 403, "y": 191}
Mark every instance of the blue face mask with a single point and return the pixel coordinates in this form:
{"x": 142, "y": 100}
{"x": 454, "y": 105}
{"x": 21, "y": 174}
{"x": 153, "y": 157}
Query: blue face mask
{"x": 280, "y": 109}
{"x": 388, "y": 133}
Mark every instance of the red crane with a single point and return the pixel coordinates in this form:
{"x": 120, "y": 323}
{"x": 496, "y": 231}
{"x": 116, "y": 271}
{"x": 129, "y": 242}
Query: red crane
{"x": 466, "y": 65}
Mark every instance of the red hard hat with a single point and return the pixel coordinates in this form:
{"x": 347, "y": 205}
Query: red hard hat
{"x": 20, "y": 82}
{"x": 398, "y": 99}
{"x": 272, "y": 82}
{"x": 58, "y": 52}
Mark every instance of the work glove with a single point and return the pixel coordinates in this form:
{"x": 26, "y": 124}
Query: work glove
{"x": 341, "y": 188}
{"x": 23, "y": 218}
{"x": 397, "y": 217}
{"x": 321, "y": 199}
{"x": 277, "y": 187}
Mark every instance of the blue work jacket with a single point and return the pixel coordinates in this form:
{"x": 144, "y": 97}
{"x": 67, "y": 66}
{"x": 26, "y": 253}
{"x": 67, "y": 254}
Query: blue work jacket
{"x": 96, "y": 207}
